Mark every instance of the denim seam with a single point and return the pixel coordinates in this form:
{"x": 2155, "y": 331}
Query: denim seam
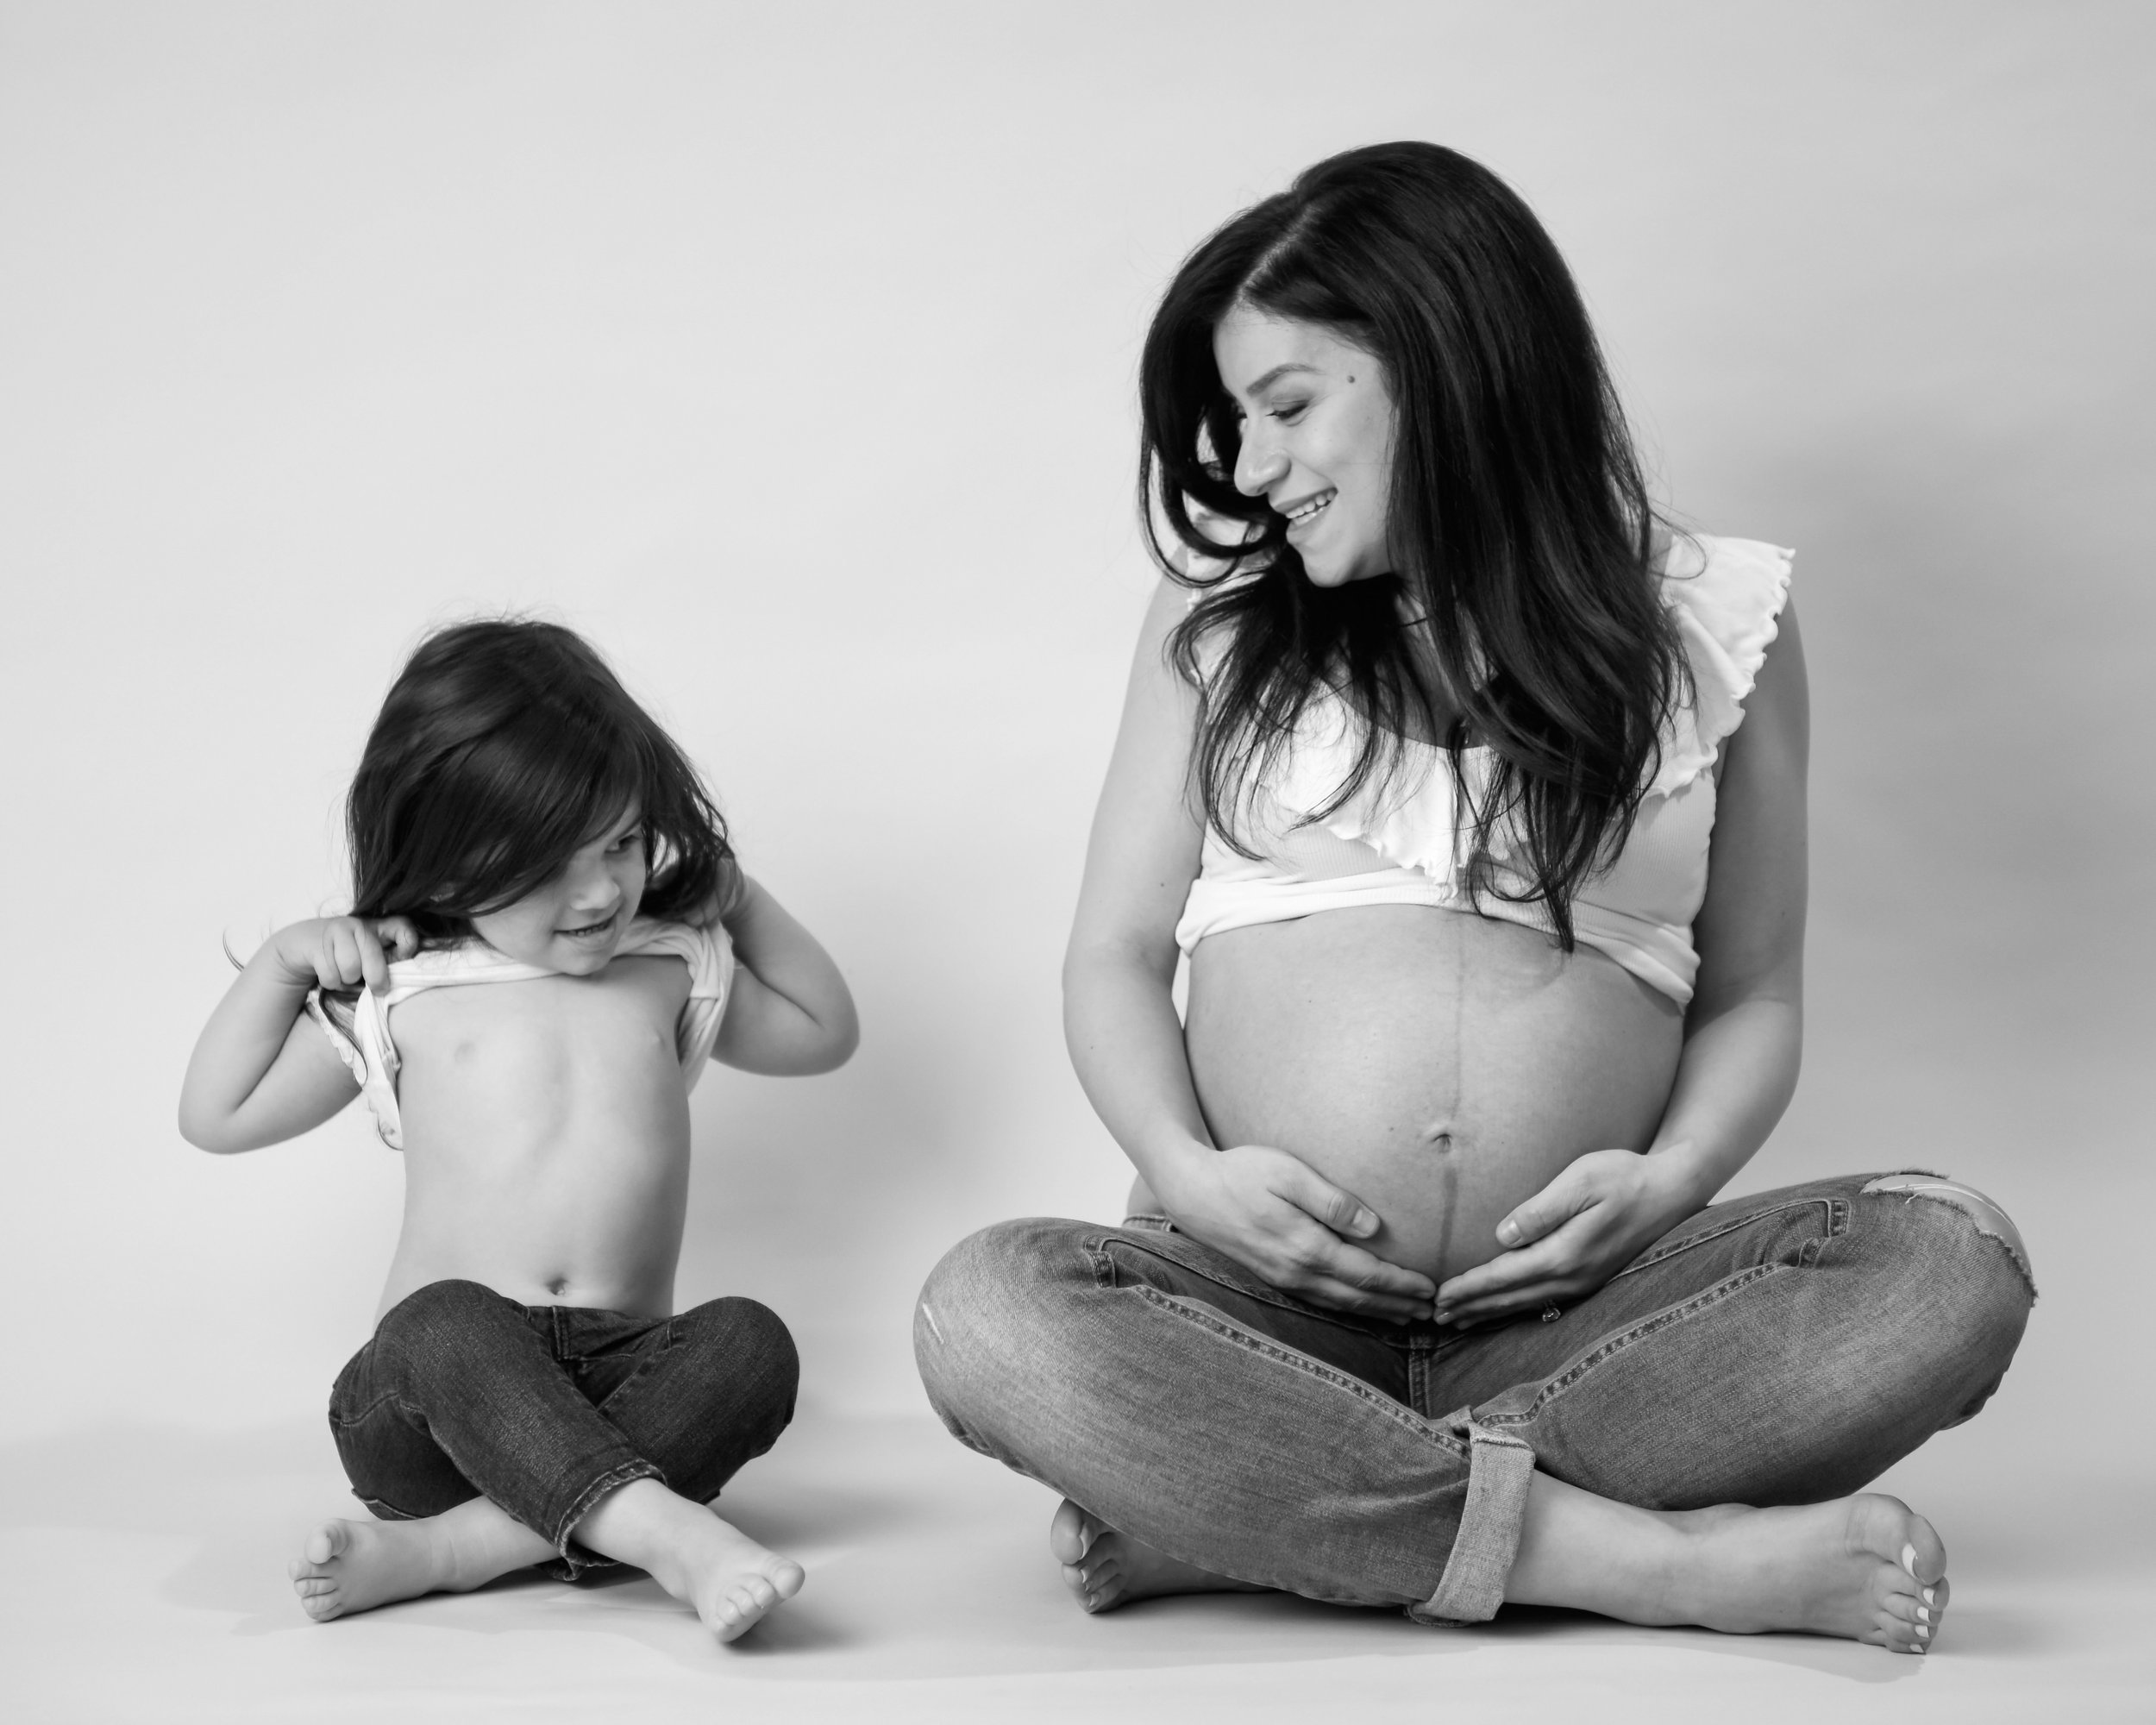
{"x": 1486, "y": 1544}
{"x": 1838, "y": 1221}
{"x": 644, "y": 1367}
{"x": 620, "y": 1474}
{"x": 346, "y": 1421}
{"x": 1104, "y": 1267}
{"x": 1610, "y": 1346}
{"x": 1267, "y": 1347}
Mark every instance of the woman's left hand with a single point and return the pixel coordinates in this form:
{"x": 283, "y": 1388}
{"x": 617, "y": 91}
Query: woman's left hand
{"x": 1572, "y": 1236}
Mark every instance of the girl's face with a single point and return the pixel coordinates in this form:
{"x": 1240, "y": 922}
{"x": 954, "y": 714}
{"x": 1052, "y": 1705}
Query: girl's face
{"x": 1317, "y": 439}
{"x": 575, "y": 922}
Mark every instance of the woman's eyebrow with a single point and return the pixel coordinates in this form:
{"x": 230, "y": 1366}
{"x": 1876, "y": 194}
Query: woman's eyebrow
{"x": 1277, "y": 373}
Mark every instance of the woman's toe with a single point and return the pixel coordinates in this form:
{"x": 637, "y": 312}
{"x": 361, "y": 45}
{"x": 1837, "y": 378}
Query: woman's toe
{"x": 1070, "y": 1533}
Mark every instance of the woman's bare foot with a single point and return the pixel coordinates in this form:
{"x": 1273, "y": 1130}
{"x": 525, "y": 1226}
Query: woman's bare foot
{"x": 1866, "y": 1567}
{"x": 701, "y": 1559}
{"x": 348, "y": 1566}
{"x": 1106, "y": 1568}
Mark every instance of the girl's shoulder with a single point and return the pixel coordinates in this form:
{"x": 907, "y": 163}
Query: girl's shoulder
{"x": 708, "y": 952}
{"x": 1726, "y": 597}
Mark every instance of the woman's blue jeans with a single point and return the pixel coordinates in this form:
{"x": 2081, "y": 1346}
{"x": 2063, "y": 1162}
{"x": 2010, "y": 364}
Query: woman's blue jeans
{"x": 1784, "y": 1348}
{"x": 545, "y": 1410}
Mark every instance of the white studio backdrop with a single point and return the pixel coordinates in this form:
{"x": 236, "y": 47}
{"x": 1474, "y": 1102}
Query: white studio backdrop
{"x": 788, "y": 351}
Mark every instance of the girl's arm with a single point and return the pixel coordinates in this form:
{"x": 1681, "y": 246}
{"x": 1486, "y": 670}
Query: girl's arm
{"x": 1744, "y": 1031}
{"x": 1264, "y": 1207}
{"x": 259, "y": 1073}
{"x": 789, "y": 1012}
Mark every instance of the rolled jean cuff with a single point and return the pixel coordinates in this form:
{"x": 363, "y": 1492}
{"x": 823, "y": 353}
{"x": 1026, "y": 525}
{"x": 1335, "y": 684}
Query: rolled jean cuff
{"x": 1472, "y": 1587}
{"x": 565, "y": 1524}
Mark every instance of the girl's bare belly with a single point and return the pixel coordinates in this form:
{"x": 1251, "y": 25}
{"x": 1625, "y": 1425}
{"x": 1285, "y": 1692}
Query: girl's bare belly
{"x": 546, "y": 1139}
{"x": 1439, "y": 1066}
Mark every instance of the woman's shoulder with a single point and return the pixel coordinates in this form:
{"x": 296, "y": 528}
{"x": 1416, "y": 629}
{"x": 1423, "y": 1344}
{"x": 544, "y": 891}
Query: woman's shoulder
{"x": 1726, "y": 597}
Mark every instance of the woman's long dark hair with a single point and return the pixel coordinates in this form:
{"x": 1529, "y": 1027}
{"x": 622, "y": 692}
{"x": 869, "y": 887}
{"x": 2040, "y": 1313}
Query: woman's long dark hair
{"x": 1518, "y": 515}
{"x": 503, "y": 748}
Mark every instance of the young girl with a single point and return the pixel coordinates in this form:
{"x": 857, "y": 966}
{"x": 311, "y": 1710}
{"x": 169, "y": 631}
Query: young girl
{"x": 518, "y": 822}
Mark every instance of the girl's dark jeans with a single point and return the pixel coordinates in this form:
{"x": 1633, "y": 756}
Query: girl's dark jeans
{"x": 545, "y": 1410}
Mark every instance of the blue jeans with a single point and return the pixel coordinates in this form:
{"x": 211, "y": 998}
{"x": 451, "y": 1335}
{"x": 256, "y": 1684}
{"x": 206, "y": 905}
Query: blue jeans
{"x": 1779, "y": 1349}
{"x": 463, "y": 1392}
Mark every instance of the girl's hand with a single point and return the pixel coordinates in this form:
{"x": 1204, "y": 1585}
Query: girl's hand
{"x": 1272, "y": 1213}
{"x": 344, "y": 952}
{"x": 1572, "y": 1236}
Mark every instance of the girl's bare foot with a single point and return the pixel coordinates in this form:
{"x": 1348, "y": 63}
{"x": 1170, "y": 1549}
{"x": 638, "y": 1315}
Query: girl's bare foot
{"x": 1866, "y": 1567}
{"x": 702, "y": 1560}
{"x": 1106, "y": 1568}
{"x": 730, "y": 1580}
{"x": 348, "y": 1566}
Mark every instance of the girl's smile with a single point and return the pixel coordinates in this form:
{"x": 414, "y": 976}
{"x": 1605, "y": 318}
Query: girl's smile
{"x": 575, "y": 922}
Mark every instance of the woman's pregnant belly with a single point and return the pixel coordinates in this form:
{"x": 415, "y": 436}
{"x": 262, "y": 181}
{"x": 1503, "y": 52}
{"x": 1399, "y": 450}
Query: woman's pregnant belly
{"x": 1439, "y": 1066}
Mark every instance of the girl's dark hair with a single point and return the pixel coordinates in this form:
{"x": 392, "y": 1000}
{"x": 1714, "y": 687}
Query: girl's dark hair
{"x": 1517, "y": 510}
{"x": 503, "y": 748}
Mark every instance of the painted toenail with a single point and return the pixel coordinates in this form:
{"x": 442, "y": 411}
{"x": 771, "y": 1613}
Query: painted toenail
{"x": 1923, "y": 1614}
{"x": 1909, "y": 1560}
{"x": 1922, "y": 1634}
{"x": 1927, "y": 1595}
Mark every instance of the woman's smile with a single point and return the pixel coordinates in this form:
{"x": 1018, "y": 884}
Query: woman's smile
{"x": 1317, "y": 438}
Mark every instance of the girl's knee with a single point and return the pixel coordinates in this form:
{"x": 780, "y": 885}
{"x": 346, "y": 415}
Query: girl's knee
{"x": 747, "y": 1346}
{"x": 442, "y": 1314}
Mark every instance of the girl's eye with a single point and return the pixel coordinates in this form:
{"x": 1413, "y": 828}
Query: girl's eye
{"x": 629, "y": 840}
{"x": 1288, "y": 412}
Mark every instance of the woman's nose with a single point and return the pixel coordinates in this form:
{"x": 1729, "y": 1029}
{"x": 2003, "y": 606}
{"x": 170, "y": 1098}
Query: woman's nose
{"x": 1258, "y": 467}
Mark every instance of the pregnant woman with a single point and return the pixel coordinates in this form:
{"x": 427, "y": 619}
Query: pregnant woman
{"x": 1475, "y": 797}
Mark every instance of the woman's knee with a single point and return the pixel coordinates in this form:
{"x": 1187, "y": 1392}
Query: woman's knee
{"x": 1966, "y": 1265}
{"x": 1956, "y": 1223}
{"x": 986, "y": 1307}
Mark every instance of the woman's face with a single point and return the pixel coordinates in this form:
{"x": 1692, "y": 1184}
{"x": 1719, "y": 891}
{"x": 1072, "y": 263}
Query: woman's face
{"x": 1317, "y": 439}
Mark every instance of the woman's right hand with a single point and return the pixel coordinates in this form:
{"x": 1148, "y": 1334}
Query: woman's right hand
{"x": 344, "y": 952}
{"x": 1274, "y": 1214}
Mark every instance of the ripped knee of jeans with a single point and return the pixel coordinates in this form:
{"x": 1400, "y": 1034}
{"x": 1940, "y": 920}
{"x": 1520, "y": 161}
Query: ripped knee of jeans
{"x": 1992, "y": 1222}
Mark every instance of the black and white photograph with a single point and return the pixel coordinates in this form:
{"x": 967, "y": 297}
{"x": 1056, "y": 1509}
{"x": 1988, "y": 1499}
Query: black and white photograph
{"x": 1220, "y": 861}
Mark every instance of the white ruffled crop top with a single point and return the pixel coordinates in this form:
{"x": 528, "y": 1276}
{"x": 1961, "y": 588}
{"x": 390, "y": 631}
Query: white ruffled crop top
{"x": 371, "y": 1053}
{"x": 1401, "y": 846}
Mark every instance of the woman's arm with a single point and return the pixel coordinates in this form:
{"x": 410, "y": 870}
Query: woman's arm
{"x": 1263, "y": 1207}
{"x": 1744, "y": 1031}
{"x": 259, "y": 1073}
{"x": 790, "y": 1014}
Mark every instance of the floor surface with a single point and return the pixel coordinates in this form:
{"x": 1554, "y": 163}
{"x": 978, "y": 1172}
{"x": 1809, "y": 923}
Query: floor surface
{"x": 142, "y": 1578}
